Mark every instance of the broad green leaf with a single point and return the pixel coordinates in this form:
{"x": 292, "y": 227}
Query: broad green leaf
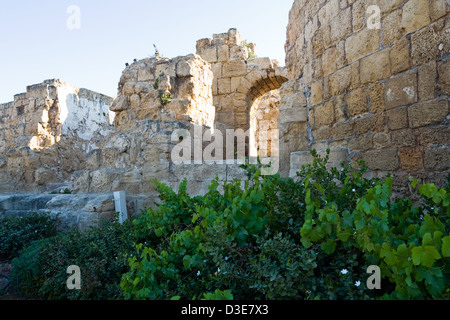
{"x": 333, "y": 217}
{"x": 446, "y": 247}
{"x": 329, "y": 246}
{"x": 437, "y": 239}
{"x": 402, "y": 251}
{"x": 359, "y": 224}
{"x": 366, "y": 207}
{"x": 427, "y": 240}
{"x": 344, "y": 236}
{"x": 425, "y": 256}
{"x": 187, "y": 261}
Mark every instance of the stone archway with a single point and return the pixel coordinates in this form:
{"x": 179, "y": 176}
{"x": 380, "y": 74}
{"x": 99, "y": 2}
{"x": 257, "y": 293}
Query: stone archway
{"x": 240, "y": 78}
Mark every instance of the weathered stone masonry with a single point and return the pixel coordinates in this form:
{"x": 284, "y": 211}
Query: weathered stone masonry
{"x": 378, "y": 94}
{"x": 94, "y": 146}
{"x": 46, "y": 132}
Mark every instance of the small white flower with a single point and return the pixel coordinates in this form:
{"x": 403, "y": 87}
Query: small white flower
{"x": 218, "y": 270}
{"x": 204, "y": 261}
{"x": 357, "y": 283}
{"x": 344, "y": 271}
{"x": 353, "y": 190}
{"x": 198, "y": 273}
{"x": 226, "y": 258}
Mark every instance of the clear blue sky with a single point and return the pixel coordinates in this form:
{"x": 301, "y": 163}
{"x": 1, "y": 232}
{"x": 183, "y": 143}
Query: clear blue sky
{"x": 35, "y": 43}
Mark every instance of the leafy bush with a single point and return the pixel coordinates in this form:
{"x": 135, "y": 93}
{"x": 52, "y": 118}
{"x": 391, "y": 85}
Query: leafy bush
{"x": 309, "y": 238}
{"x": 100, "y": 253}
{"x": 411, "y": 244}
{"x": 18, "y": 232}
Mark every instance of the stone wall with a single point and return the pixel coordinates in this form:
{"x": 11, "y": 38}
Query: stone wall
{"x": 56, "y": 136}
{"x": 177, "y": 89}
{"x": 240, "y": 78}
{"x": 264, "y": 119}
{"x": 45, "y": 133}
{"x": 378, "y": 94}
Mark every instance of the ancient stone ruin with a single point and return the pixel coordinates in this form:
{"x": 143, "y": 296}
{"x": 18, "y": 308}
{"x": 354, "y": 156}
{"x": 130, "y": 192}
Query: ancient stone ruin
{"x": 363, "y": 90}
{"x": 378, "y": 92}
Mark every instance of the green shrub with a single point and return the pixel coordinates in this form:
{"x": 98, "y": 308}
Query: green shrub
{"x": 410, "y": 243}
{"x": 309, "y": 238}
{"x": 18, "y": 232}
{"x": 100, "y": 253}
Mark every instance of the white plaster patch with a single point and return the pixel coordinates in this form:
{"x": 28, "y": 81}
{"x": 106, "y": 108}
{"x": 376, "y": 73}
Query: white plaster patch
{"x": 410, "y": 92}
{"x": 83, "y": 118}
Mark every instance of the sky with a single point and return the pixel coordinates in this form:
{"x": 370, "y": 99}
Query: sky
{"x": 47, "y": 39}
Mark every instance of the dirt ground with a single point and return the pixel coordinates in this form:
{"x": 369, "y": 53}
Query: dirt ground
{"x": 10, "y": 294}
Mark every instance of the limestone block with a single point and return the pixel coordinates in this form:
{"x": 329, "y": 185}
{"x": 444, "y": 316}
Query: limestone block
{"x": 37, "y": 91}
{"x": 370, "y": 123}
{"x": 397, "y": 118}
{"x": 361, "y": 143}
{"x": 102, "y": 180}
{"x": 224, "y": 85}
{"x": 362, "y": 44}
{"x": 341, "y": 25}
{"x": 425, "y": 44}
{"x": 234, "y": 37}
{"x": 120, "y": 142}
{"x": 135, "y": 101}
{"x": 239, "y": 53}
{"x": 381, "y": 140}
{"x": 324, "y": 114}
{"x": 427, "y": 81}
{"x": 340, "y": 81}
{"x": 206, "y": 42}
{"x": 358, "y": 14}
{"x": 426, "y": 113}
{"x": 143, "y": 87}
{"x": 437, "y": 9}
{"x": 184, "y": 69}
{"x": 265, "y": 63}
{"x": 329, "y": 61}
{"x": 415, "y": 15}
{"x": 292, "y": 115}
{"x": 375, "y": 67}
{"x": 222, "y": 53}
{"x": 437, "y": 136}
{"x": 400, "y": 56}
{"x": 401, "y": 90}
{"x": 411, "y": 159}
{"x": 93, "y": 159}
{"x": 376, "y": 97}
{"x": 403, "y": 138}
{"x": 128, "y": 88}
{"x": 120, "y": 104}
{"x": 234, "y": 68}
{"x": 391, "y": 27}
{"x": 386, "y": 159}
{"x": 235, "y": 84}
{"x": 316, "y": 93}
{"x": 45, "y": 176}
{"x": 357, "y": 102}
{"x": 437, "y": 159}
{"x": 444, "y": 77}
{"x": 209, "y": 54}
{"x": 340, "y": 130}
